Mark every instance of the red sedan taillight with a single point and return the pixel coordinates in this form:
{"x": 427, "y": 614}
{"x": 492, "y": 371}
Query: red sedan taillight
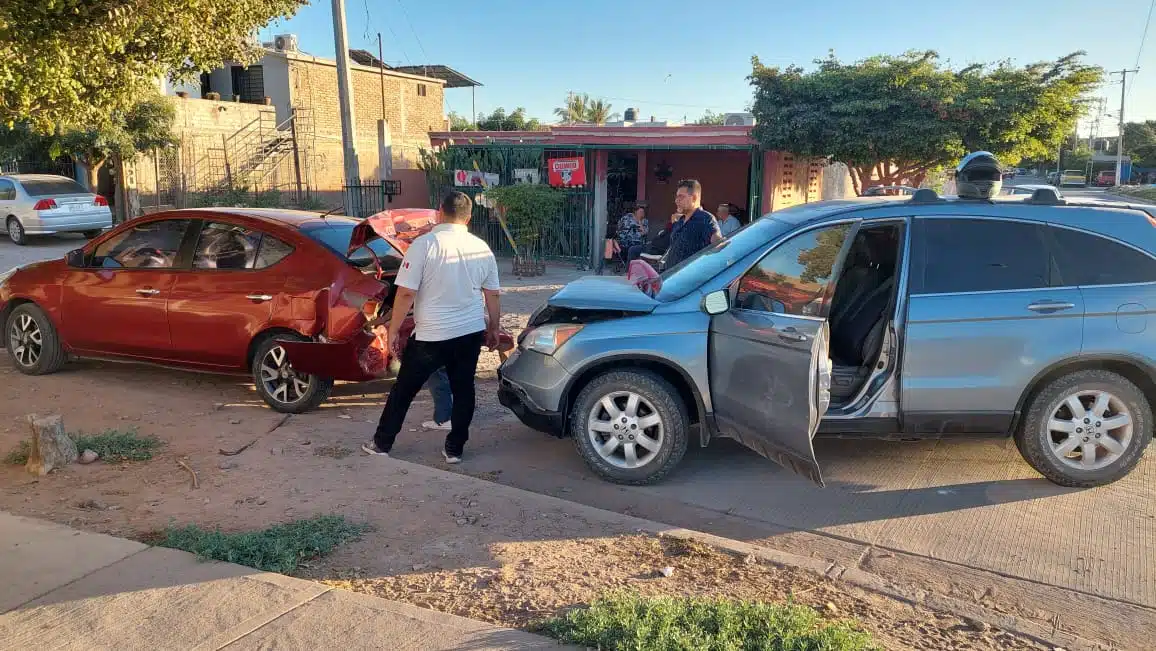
{"x": 100, "y": 201}
{"x": 45, "y": 204}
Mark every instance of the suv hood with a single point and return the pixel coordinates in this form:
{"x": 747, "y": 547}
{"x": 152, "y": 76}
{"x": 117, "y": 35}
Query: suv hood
{"x": 399, "y": 227}
{"x": 603, "y": 293}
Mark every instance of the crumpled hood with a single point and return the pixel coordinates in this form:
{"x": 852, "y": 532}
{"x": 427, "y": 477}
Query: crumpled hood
{"x": 399, "y": 227}
{"x": 603, "y": 293}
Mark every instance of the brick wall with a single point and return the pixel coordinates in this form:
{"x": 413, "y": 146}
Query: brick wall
{"x": 313, "y": 84}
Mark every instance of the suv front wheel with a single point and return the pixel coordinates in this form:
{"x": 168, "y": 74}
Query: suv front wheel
{"x": 1087, "y": 428}
{"x": 630, "y": 426}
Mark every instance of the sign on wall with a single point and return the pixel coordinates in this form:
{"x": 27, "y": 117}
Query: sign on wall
{"x": 527, "y": 175}
{"x": 567, "y": 172}
{"x": 475, "y": 179}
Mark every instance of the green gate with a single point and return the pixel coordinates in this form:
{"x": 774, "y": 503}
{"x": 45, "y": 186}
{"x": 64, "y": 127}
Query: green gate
{"x": 569, "y": 236}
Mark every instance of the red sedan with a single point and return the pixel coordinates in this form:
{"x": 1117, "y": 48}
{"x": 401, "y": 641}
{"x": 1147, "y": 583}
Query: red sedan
{"x": 216, "y": 290}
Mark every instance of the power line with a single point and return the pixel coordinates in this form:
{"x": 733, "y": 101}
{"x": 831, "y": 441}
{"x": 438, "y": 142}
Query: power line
{"x": 405, "y": 14}
{"x": 1144, "y": 37}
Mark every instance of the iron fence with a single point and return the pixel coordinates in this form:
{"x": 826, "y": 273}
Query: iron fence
{"x": 569, "y": 235}
{"x": 62, "y": 166}
{"x": 371, "y": 197}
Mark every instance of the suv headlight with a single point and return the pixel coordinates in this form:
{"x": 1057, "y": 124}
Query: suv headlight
{"x": 548, "y": 339}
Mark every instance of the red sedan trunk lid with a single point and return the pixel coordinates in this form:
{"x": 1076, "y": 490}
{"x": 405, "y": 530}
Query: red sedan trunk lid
{"x": 399, "y": 227}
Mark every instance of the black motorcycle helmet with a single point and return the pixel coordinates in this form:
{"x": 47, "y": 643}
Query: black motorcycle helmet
{"x": 978, "y": 176}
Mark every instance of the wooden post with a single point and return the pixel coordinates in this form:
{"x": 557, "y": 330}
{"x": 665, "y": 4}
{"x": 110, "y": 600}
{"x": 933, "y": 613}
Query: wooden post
{"x": 51, "y": 448}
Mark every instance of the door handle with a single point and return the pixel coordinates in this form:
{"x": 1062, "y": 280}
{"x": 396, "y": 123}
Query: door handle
{"x": 1050, "y": 306}
{"x": 148, "y": 291}
{"x": 791, "y": 334}
{"x": 261, "y": 298}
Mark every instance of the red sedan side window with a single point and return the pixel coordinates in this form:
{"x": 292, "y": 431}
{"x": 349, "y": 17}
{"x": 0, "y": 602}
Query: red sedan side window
{"x": 230, "y": 246}
{"x": 154, "y": 245}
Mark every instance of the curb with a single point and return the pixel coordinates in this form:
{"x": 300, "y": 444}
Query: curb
{"x": 1050, "y": 636}
{"x": 1131, "y": 198}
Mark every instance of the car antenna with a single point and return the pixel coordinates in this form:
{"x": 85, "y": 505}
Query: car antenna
{"x": 330, "y": 212}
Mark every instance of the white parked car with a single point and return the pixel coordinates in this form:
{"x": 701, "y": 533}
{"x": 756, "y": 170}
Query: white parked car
{"x": 46, "y": 204}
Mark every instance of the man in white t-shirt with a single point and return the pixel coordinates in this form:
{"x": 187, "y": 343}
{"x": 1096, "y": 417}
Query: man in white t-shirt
{"x": 450, "y": 279}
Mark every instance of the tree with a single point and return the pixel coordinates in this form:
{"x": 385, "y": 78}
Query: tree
{"x": 1140, "y": 142}
{"x": 498, "y": 120}
{"x": 898, "y": 118}
{"x": 79, "y": 61}
{"x": 120, "y": 137}
{"x": 598, "y": 112}
{"x": 710, "y": 118}
{"x": 459, "y": 123}
{"x": 574, "y": 110}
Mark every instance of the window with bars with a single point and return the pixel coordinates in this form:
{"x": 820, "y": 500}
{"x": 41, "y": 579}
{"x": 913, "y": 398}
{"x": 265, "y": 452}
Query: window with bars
{"x": 421, "y": 90}
{"x": 249, "y": 84}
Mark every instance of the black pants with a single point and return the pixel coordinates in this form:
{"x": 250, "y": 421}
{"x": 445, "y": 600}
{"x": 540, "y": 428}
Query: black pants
{"x": 459, "y": 356}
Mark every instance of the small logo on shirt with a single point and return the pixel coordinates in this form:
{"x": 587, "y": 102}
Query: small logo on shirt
{"x": 405, "y": 265}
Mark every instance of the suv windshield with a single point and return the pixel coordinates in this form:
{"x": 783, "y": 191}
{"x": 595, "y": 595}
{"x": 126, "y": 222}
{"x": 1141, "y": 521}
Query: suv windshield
{"x": 690, "y": 274}
{"x": 334, "y": 235}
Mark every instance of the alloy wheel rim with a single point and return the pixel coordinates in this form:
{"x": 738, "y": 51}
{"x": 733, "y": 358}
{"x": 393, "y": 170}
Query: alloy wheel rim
{"x": 281, "y": 382}
{"x": 1090, "y": 430}
{"x": 15, "y": 231}
{"x": 25, "y": 340}
{"x": 625, "y": 430}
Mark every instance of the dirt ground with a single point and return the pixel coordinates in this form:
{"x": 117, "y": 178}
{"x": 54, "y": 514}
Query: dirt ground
{"x": 439, "y": 540}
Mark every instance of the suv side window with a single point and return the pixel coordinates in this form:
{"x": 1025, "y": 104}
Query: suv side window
{"x": 155, "y": 245}
{"x": 1088, "y": 259}
{"x": 978, "y": 255}
{"x": 793, "y": 277}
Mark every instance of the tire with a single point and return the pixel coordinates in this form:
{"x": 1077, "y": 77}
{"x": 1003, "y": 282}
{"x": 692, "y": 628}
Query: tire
{"x": 24, "y": 325}
{"x": 297, "y": 400}
{"x": 1042, "y": 435}
{"x": 656, "y": 398}
{"x": 90, "y": 235}
{"x": 16, "y": 232}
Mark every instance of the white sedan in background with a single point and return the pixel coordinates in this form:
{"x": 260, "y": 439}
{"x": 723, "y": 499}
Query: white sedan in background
{"x": 46, "y": 204}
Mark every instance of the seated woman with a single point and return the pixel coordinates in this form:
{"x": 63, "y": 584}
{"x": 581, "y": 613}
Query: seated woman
{"x": 632, "y": 229}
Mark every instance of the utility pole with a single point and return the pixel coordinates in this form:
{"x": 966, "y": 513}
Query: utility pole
{"x": 381, "y": 73}
{"x": 345, "y": 100}
{"x": 1120, "y": 138}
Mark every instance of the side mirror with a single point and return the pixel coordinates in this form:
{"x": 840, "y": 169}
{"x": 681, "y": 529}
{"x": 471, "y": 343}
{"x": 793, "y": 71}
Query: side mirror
{"x": 716, "y": 302}
{"x": 75, "y": 258}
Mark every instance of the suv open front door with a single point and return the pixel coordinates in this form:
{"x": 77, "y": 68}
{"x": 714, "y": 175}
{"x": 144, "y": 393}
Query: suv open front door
{"x": 770, "y": 379}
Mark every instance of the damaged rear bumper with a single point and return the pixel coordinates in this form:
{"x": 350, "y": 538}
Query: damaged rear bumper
{"x": 354, "y": 360}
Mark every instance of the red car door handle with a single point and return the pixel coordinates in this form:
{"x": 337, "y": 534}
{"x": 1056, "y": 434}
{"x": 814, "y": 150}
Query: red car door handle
{"x": 148, "y": 291}
{"x": 260, "y": 298}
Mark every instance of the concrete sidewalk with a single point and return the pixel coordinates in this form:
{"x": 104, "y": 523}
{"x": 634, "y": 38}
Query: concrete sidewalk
{"x": 66, "y": 589}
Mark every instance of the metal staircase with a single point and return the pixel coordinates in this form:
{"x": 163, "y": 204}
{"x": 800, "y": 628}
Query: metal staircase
{"x": 251, "y": 156}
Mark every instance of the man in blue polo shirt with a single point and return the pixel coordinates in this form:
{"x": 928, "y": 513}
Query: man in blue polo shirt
{"x": 695, "y": 229}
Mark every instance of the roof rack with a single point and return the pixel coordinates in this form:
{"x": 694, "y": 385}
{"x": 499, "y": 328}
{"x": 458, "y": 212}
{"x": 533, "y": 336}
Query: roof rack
{"x": 1045, "y": 197}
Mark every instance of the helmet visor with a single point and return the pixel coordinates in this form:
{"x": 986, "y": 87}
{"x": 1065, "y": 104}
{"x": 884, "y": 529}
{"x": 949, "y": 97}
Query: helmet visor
{"x": 983, "y": 174}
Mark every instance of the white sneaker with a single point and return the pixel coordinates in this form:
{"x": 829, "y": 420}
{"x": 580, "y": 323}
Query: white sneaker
{"x": 433, "y": 424}
{"x": 372, "y": 449}
{"x": 452, "y": 460}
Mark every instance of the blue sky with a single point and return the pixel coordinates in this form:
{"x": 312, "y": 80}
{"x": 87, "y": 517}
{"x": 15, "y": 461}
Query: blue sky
{"x": 679, "y": 58}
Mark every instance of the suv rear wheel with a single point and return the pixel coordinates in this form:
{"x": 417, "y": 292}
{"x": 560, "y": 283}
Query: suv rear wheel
{"x": 630, "y": 426}
{"x": 282, "y": 388}
{"x": 1087, "y": 428}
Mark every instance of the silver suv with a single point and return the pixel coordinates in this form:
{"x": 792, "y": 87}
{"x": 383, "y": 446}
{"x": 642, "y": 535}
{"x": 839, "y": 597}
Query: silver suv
{"x": 874, "y": 318}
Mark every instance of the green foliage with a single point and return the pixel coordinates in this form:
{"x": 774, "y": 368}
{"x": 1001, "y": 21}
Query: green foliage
{"x": 311, "y": 203}
{"x": 710, "y": 118}
{"x": 115, "y": 446}
{"x": 529, "y": 209}
{"x": 627, "y": 621}
{"x": 1146, "y": 192}
{"x": 516, "y": 121}
{"x": 18, "y": 456}
{"x": 896, "y": 118}
{"x": 1140, "y": 142}
{"x": 459, "y": 123}
{"x": 583, "y": 109}
{"x": 277, "y": 549}
{"x": 80, "y": 61}
{"x": 267, "y": 199}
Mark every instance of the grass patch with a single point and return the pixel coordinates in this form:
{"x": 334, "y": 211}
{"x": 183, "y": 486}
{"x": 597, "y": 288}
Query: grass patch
{"x": 115, "y": 445}
{"x": 626, "y": 621}
{"x": 1143, "y": 192}
{"x": 19, "y": 454}
{"x": 276, "y": 549}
